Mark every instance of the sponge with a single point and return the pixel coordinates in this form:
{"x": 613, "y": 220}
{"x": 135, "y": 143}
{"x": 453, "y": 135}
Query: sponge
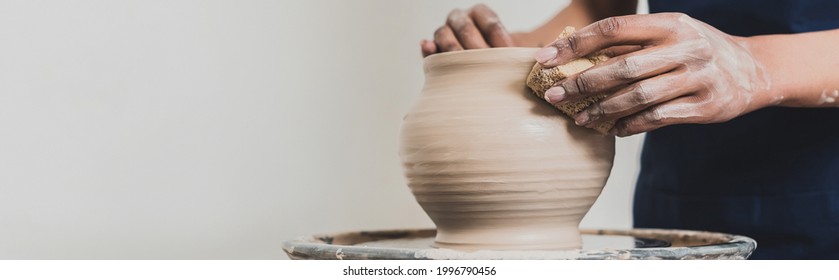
{"x": 541, "y": 79}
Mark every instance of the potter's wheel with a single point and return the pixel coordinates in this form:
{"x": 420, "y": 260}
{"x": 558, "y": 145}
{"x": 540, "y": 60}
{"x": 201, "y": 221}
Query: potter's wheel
{"x": 597, "y": 244}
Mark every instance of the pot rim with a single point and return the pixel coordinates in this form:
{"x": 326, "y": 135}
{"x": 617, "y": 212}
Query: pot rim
{"x": 482, "y": 56}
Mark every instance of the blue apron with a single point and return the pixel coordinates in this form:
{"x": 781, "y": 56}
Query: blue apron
{"x": 772, "y": 174}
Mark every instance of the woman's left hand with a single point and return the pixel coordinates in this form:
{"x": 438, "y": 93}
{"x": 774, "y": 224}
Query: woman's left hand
{"x": 680, "y": 71}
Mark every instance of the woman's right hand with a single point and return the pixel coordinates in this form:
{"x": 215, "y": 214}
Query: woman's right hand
{"x": 477, "y": 28}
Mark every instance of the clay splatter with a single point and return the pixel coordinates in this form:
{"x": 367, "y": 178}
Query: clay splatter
{"x": 777, "y": 99}
{"x": 829, "y": 96}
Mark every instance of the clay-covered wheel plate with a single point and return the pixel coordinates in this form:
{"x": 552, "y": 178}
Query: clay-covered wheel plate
{"x": 622, "y": 244}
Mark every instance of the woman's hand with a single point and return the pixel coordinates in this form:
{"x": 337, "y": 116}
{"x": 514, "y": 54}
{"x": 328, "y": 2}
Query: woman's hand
{"x": 477, "y": 28}
{"x": 685, "y": 71}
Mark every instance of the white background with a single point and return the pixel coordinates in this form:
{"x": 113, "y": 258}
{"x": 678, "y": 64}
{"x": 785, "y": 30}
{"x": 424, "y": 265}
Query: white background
{"x": 218, "y": 129}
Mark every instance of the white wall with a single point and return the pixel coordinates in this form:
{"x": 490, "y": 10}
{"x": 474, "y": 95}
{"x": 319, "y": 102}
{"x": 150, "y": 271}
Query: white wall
{"x": 217, "y": 129}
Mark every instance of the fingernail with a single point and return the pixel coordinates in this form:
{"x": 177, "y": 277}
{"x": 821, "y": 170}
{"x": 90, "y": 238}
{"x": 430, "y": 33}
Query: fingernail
{"x": 555, "y": 94}
{"x": 546, "y": 54}
{"x": 582, "y": 118}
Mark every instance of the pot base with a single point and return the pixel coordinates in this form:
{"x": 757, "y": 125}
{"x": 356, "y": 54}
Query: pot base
{"x": 521, "y": 238}
{"x": 597, "y": 244}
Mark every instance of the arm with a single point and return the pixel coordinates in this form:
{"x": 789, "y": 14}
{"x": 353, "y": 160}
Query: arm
{"x": 802, "y": 68}
{"x": 578, "y": 13}
{"x": 479, "y": 27}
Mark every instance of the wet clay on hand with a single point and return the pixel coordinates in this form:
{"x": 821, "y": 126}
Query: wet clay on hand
{"x": 542, "y": 79}
{"x": 491, "y": 164}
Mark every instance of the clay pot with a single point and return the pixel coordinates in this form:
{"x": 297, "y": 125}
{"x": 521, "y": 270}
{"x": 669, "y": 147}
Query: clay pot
{"x": 494, "y": 166}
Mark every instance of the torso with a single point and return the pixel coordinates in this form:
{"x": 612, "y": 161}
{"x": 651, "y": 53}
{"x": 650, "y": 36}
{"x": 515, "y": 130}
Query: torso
{"x": 772, "y": 174}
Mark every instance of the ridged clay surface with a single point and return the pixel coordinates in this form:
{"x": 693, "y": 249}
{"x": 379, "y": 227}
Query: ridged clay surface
{"x": 494, "y": 166}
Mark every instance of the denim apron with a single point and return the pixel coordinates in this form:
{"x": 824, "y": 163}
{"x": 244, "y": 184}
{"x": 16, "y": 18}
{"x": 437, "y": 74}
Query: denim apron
{"x": 772, "y": 174}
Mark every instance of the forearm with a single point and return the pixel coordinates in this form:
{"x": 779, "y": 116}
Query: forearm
{"x": 578, "y": 13}
{"x": 802, "y": 69}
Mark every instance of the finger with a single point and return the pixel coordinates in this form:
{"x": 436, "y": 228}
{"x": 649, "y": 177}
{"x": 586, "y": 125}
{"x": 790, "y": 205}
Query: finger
{"x": 616, "y": 73}
{"x": 465, "y": 30}
{"x": 613, "y": 31}
{"x": 637, "y": 97}
{"x": 621, "y": 50}
{"x": 681, "y": 110}
{"x": 428, "y": 48}
{"x": 491, "y": 28}
{"x": 445, "y": 40}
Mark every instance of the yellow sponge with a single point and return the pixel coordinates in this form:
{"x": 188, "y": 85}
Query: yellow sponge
{"x": 541, "y": 79}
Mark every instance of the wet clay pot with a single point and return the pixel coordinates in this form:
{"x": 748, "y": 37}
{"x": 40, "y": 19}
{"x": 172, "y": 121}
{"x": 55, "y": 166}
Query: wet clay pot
{"x": 494, "y": 166}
